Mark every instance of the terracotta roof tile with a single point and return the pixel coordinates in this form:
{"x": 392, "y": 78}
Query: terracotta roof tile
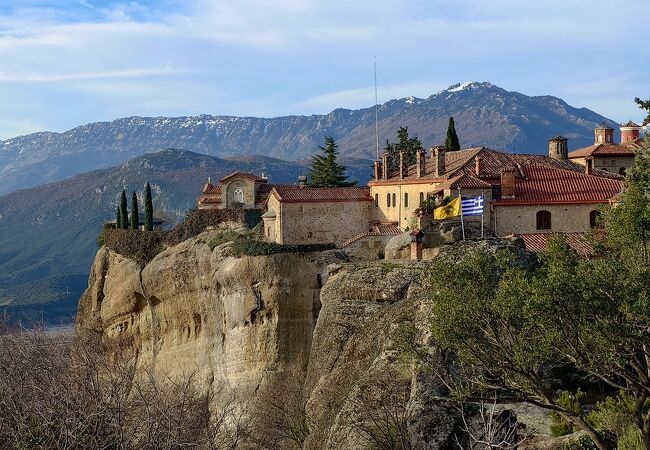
{"x": 547, "y": 185}
{"x": 295, "y": 193}
{"x": 538, "y": 242}
{"x": 626, "y": 149}
{"x": 210, "y": 188}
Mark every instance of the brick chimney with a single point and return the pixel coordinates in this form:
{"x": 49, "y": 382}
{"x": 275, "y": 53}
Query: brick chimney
{"x": 558, "y": 148}
{"x": 302, "y": 181}
{"x": 377, "y": 170}
{"x": 478, "y": 165}
{"x": 384, "y": 166}
{"x": 438, "y": 160}
{"x": 421, "y": 167}
{"x": 402, "y": 165}
{"x": 508, "y": 181}
{"x": 603, "y": 134}
{"x": 589, "y": 164}
{"x": 630, "y": 132}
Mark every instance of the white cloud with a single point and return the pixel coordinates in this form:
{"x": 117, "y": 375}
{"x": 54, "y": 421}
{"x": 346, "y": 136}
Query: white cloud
{"x": 75, "y": 76}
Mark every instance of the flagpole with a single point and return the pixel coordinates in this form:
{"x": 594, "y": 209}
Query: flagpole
{"x": 482, "y": 212}
{"x": 462, "y": 221}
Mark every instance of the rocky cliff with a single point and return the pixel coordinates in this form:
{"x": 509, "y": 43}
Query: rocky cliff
{"x": 311, "y": 336}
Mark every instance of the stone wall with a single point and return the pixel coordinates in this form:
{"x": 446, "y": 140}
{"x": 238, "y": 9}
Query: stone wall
{"x": 522, "y": 218}
{"x": 320, "y": 222}
{"x": 228, "y": 191}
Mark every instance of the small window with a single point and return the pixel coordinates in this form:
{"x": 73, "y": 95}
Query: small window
{"x": 421, "y": 197}
{"x": 543, "y": 220}
{"x": 594, "y": 219}
{"x": 300, "y": 208}
{"x": 238, "y": 196}
{"x": 394, "y": 202}
{"x": 622, "y": 171}
{"x": 406, "y": 200}
{"x": 376, "y": 200}
{"x": 388, "y": 200}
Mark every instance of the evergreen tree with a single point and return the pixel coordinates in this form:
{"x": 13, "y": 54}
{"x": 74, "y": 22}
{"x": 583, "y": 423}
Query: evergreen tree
{"x": 325, "y": 170}
{"x": 148, "y": 209}
{"x": 123, "y": 212}
{"x": 404, "y": 144}
{"x": 135, "y": 214}
{"x": 644, "y": 104}
{"x": 451, "y": 143}
{"x": 118, "y": 219}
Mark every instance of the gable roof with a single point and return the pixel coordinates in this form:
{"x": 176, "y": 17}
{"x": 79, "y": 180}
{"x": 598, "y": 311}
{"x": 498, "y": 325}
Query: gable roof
{"x": 246, "y": 175}
{"x": 538, "y": 242}
{"x": 607, "y": 149}
{"x": 551, "y": 185}
{"x": 296, "y": 194}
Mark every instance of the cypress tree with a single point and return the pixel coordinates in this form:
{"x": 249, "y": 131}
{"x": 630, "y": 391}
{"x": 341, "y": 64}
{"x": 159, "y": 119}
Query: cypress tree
{"x": 325, "y": 170}
{"x": 135, "y": 214}
{"x": 123, "y": 212}
{"x": 451, "y": 143}
{"x": 148, "y": 209}
{"x": 118, "y": 219}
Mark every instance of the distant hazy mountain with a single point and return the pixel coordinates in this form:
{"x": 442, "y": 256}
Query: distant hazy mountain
{"x": 48, "y": 233}
{"x": 485, "y": 115}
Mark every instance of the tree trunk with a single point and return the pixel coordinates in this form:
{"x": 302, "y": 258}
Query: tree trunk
{"x": 590, "y": 431}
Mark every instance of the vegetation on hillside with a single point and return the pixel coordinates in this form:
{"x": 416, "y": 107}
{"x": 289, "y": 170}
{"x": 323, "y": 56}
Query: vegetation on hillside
{"x": 541, "y": 334}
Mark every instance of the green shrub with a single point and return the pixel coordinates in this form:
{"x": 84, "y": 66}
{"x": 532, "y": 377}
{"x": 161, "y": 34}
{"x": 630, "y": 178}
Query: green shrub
{"x": 100, "y": 237}
{"x": 616, "y": 415}
{"x": 224, "y": 235}
{"x": 582, "y": 443}
{"x": 572, "y": 403}
{"x": 137, "y": 245}
{"x": 197, "y": 220}
{"x": 253, "y": 247}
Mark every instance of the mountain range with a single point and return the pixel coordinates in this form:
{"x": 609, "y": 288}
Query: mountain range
{"x": 485, "y": 114}
{"x": 48, "y": 234}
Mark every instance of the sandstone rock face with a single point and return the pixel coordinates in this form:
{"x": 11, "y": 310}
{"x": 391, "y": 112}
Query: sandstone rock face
{"x": 330, "y": 334}
{"x": 232, "y": 320}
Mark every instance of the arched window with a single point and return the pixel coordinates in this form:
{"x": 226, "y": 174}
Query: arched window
{"x": 622, "y": 171}
{"x": 394, "y": 203}
{"x": 594, "y": 217}
{"x": 406, "y": 200}
{"x": 376, "y": 200}
{"x": 543, "y": 220}
{"x": 238, "y": 196}
{"x": 388, "y": 200}
{"x": 421, "y": 197}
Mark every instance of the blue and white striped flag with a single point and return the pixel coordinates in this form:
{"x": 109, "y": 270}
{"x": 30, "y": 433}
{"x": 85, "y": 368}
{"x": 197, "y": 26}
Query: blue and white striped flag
{"x": 472, "y": 206}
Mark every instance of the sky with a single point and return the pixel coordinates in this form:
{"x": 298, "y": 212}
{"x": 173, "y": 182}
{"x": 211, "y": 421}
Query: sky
{"x": 64, "y": 63}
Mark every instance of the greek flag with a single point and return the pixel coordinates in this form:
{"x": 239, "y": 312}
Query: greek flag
{"x": 472, "y": 206}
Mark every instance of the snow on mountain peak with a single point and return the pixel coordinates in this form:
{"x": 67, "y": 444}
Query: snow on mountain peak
{"x": 461, "y": 86}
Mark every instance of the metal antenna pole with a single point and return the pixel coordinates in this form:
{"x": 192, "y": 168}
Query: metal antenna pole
{"x": 376, "y": 110}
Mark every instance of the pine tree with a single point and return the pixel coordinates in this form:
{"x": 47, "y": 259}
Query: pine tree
{"x": 118, "y": 219}
{"x": 123, "y": 212}
{"x": 451, "y": 143}
{"x": 644, "y": 104}
{"x": 148, "y": 209}
{"x": 135, "y": 214}
{"x": 325, "y": 170}
{"x": 404, "y": 144}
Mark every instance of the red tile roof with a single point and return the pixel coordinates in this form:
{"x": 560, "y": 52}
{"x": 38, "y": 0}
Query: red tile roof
{"x": 295, "y": 194}
{"x": 380, "y": 229}
{"x": 548, "y": 185}
{"x": 248, "y": 176}
{"x": 607, "y": 149}
{"x": 210, "y": 188}
{"x": 463, "y": 182}
{"x": 538, "y": 242}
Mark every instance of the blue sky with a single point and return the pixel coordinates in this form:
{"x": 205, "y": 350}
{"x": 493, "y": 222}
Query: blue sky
{"x": 64, "y": 63}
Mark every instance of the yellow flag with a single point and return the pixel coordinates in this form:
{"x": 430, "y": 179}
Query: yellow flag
{"x": 451, "y": 209}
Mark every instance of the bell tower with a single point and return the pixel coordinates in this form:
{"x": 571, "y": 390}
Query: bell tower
{"x": 558, "y": 147}
{"x": 604, "y": 134}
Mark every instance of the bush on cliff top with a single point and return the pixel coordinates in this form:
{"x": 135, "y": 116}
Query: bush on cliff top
{"x": 198, "y": 220}
{"x": 253, "y": 247}
{"x": 138, "y": 245}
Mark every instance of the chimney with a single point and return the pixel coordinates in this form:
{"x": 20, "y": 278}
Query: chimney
{"x": 508, "y": 181}
{"x": 421, "y": 163}
{"x": 630, "y": 132}
{"x": 589, "y": 165}
{"x": 384, "y": 166}
{"x": 558, "y": 148}
{"x": 438, "y": 160}
{"x": 478, "y": 166}
{"x": 603, "y": 134}
{"x": 377, "y": 170}
{"x": 402, "y": 165}
{"x": 302, "y": 181}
